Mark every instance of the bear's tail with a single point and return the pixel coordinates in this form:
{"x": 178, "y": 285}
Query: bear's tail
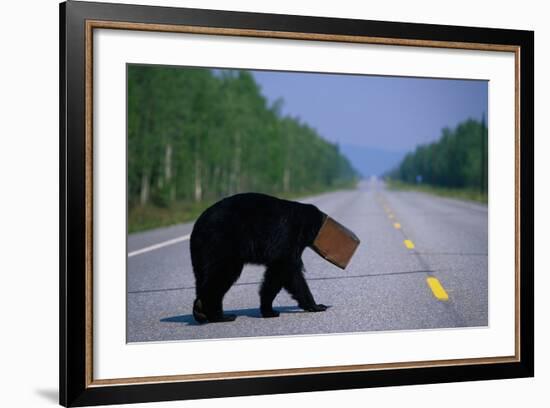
{"x": 198, "y": 313}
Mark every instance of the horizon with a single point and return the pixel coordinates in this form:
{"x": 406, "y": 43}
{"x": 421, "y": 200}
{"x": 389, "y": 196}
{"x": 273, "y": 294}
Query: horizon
{"x": 358, "y": 112}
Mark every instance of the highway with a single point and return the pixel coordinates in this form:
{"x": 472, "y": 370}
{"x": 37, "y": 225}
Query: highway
{"x": 422, "y": 264}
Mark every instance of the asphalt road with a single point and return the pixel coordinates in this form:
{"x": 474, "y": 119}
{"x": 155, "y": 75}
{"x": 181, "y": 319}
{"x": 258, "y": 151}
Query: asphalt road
{"x": 389, "y": 285}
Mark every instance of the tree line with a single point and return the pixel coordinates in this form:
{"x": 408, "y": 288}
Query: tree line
{"x": 196, "y": 135}
{"x": 457, "y": 160}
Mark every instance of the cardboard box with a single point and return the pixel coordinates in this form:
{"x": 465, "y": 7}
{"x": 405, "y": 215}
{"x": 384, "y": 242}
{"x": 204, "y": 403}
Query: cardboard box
{"x": 335, "y": 243}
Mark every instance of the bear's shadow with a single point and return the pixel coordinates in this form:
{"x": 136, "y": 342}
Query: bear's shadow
{"x": 252, "y": 312}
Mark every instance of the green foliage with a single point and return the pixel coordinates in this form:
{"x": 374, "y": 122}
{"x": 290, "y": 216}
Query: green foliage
{"x": 458, "y": 160}
{"x": 469, "y": 194}
{"x": 197, "y": 135}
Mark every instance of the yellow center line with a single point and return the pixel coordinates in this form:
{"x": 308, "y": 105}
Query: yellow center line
{"x": 396, "y": 225}
{"x": 437, "y": 289}
{"x": 409, "y": 244}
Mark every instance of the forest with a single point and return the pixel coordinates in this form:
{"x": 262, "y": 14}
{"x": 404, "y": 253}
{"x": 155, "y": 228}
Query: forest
{"x": 458, "y": 160}
{"x": 196, "y": 135}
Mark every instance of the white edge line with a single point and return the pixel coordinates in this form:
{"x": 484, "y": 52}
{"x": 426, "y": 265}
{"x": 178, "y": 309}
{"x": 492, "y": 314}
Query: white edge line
{"x": 159, "y": 245}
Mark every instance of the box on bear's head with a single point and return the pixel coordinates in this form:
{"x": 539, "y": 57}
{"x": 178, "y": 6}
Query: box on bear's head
{"x": 335, "y": 243}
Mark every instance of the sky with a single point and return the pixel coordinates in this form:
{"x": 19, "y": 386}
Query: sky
{"x": 392, "y": 114}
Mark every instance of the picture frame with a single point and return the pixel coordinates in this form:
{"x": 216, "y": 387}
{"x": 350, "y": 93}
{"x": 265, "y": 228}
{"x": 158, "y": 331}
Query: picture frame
{"x": 79, "y": 21}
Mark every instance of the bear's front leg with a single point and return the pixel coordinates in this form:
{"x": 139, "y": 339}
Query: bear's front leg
{"x": 296, "y": 285}
{"x": 318, "y": 307}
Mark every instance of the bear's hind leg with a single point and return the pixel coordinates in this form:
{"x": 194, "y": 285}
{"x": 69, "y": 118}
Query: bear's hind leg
{"x": 271, "y": 285}
{"x": 210, "y": 295}
{"x": 214, "y": 311}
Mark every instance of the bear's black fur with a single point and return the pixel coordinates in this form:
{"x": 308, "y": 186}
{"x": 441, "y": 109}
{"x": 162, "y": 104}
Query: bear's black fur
{"x": 258, "y": 229}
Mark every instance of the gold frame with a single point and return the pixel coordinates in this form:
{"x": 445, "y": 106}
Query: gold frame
{"x": 100, "y": 24}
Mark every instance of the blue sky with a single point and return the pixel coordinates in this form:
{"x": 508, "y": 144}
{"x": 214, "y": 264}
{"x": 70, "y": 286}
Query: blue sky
{"x": 393, "y": 114}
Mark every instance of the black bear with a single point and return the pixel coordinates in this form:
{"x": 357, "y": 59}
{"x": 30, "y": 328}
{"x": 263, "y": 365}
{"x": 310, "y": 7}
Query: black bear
{"x": 258, "y": 229}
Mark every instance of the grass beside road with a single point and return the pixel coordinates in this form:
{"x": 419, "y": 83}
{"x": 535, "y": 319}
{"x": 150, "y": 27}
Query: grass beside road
{"x": 147, "y": 217}
{"x": 460, "y": 193}
{"x": 141, "y": 218}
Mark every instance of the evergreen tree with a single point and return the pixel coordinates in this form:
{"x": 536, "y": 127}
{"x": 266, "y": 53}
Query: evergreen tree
{"x": 197, "y": 135}
{"x": 457, "y": 160}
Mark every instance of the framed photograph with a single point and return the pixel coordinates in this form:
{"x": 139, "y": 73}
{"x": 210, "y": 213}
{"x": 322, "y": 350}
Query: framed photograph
{"x": 256, "y": 204}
